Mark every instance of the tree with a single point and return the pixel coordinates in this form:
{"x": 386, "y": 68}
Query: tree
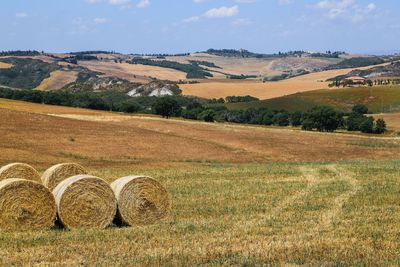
{"x": 208, "y": 115}
{"x": 130, "y": 106}
{"x": 380, "y": 126}
{"x": 367, "y": 125}
{"x": 354, "y": 121}
{"x": 360, "y": 109}
{"x": 167, "y": 107}
{"x": 295, "y": 118}
{"x": 281, "y": 119}
{"x": 323, "y": 118}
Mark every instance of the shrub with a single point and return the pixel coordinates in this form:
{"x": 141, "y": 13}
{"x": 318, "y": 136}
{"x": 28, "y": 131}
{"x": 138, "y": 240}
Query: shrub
{"x": 208, "y": 115}
{"x": 367, "y": 125}
{"x": 380, "y": 126}
{"x": 360, "y": 109}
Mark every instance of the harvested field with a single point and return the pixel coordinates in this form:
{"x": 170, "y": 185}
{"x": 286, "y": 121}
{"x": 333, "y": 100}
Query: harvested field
{"x": 133, "y": 73}
{"x": 267, "y": 90}
{"x": 57, "y": 80}
{"x": 241, "y": 195}
{"x": 392, "y": 120}
{"x": 254, "y": 66}
{"x": 5, "y": 65}
{"x": 153, "y": 141}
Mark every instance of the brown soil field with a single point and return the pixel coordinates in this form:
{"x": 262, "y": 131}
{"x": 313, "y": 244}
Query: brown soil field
{"x": 75, "y": 134}
{"x": 267, "y": 90}
{"x": 57, "y": 80}
{"x": 133, "y": 73}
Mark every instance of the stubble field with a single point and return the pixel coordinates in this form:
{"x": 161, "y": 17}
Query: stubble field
{"x": 241, "y": 195}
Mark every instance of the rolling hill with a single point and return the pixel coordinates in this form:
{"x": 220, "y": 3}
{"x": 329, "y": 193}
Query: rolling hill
{"x": 377, "y": 99}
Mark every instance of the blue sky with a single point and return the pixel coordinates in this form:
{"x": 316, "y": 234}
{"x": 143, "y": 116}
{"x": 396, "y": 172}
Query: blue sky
{"x": 172, "y": 26}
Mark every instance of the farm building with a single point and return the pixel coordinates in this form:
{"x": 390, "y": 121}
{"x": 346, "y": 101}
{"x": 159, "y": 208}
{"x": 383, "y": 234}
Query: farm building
{"x": 355, "y": 80}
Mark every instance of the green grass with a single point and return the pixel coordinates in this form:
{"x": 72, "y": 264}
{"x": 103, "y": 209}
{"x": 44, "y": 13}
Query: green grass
{"x": 378, "y": 99}
{"x": 314, "y": 214}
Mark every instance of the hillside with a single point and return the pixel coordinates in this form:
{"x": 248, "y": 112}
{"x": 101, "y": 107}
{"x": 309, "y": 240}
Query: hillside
{"x": 147, "y": 139}
{"x": 34, "y": 67}
{"x": 241, "y": 190}
{"x": 377, "y": 99}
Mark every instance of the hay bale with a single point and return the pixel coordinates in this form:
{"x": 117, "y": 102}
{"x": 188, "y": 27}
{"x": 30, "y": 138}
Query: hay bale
{"x": 19, "y": 170}
{"x": 141, "y": 200}
{"x": 58, "y": 173}
{"x": 85, "y": 201}
{"x": 25, "y": 205}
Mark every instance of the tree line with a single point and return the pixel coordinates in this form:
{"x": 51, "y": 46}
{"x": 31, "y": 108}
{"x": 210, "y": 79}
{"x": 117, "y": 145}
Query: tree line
{"x": 319, "y": 118}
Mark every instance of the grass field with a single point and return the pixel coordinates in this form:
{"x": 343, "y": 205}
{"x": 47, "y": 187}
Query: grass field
{"x": 378, "y": 99}
{"x": 241, "y": 195}
{"x": 57, "y": 80}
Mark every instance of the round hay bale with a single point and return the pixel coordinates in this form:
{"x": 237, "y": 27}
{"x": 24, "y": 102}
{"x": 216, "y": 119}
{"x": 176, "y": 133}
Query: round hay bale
{"x": 25, "y": 205}
{"x": 58, "y": 173}
{"x": 85, "y": 201}
{"x": 20, "y": 171}
{"x": 141, "y": 200}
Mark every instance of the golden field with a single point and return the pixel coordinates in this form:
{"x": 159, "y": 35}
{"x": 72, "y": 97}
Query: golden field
{"x": 242, "y": 195}
{"x": 57, "y": 80}
{"x": 4, "y": 65}
{"x": 263, "y": 90}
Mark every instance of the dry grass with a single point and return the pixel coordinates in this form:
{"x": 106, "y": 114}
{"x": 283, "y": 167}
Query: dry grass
{"x": 237, "y": 196}
{"x": 5, "y": 65}
{"x": 134, "y": 73}
{"x": 392, "y": 120}
{"x": 267, "y": 90}
{"x": 57, "y": 80}
{"x": 135, "y": 140}
{"x": 252, "y": 214}
{"x": 255, "y": 66}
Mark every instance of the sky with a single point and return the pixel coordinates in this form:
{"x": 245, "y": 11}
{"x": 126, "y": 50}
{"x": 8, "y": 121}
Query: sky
{"x": 172, "y": 26}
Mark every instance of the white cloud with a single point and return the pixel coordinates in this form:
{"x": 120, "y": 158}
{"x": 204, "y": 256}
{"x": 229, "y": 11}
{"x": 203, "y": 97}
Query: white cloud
{"x": 242, "y": 22}
{"x": 143, "y": 4}
{"x": 348, "y": 9}
{"x": 245, "y": 1}
{"x": 222, "y": 12}
{"x": 21, "y": 15}
{"x": 191, "y": 19}
{"x": 285, "y": 2}
{"x": 119, "y": 2}
{"x": 100, "y": 20}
